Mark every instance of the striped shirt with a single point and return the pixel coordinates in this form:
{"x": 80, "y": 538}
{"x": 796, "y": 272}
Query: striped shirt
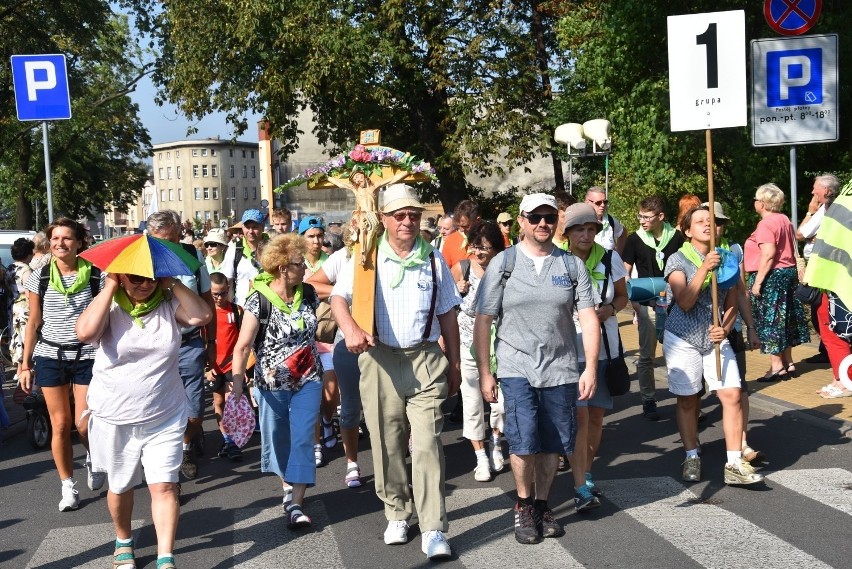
{"x": 401, "y": 312}
{"x": 59, "y": 318}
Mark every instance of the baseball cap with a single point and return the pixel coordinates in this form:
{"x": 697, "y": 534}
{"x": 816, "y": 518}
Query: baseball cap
{"x": 253, "y": 215}
{"x": 504, "y": 217}
{"x": 532, "y": 201}
{"x": 580, "y": 214}
{"x": 718, "y": 211}
{"x": 311, "y": 222}
{"x": 216, "y": 236}
{"x": 398, "y": 196}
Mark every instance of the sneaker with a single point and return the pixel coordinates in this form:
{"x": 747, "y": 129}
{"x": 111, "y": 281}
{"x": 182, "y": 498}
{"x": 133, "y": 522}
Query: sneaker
{"x": 740, "y": 473}
{"x": 649, "y": 410}
{"x": 396, "y": 532}
{"x": 435, "y": 545}
{"x": 596, "y": 492}
{"x": 353, "y": 475}
{"x": 498, "y": 461}
{"x": 235, "y": 454}
{"x": 482, "y": 472}
{"x": 188, "y": 467}
{"x": 549, "y": 526}
{"x": 296, "y": 518}
{"x": 584, "y": 500}
{"x": 526, "y": 525}
{"x": 223, "y": 450}
{"x": 95, "y": 480}
{"x": 329, "y": 436}
{"x": 70, "y": 498}
{"x": 692, "y": 469}
{"x": 319, "y": 459}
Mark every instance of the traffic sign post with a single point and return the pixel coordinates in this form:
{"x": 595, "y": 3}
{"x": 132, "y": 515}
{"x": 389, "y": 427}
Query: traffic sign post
{"x": 42, "y": 94}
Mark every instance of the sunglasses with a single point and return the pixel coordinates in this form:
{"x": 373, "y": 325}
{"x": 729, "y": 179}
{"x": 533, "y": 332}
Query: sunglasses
{"x": 401, "y": 215}
{"x": 211, "y": 244}
{"x": 598, "y": 203}
{"x": 506, "y": 223}
{"x": 139, "y": 279}
{"x": 535, "y": 218}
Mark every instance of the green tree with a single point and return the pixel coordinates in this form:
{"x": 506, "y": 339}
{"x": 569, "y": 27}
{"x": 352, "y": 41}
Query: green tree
{"x": 95, "y": 156}
{"x": 620, "y": 71}
{"x": 456, "y": 82}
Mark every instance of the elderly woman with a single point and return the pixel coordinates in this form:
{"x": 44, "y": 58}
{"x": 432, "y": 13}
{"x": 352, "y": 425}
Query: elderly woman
{"x": 215, "y": 244}
{"x": 137, "y": 401}
{"x": 770, "y": 261}
{"x": 608, "y": 277}
{"x": 288, "y": 375}
{"x": 689, "y": 350}
{"x": 485, "y": 241}
{"x": 53, "y": 358}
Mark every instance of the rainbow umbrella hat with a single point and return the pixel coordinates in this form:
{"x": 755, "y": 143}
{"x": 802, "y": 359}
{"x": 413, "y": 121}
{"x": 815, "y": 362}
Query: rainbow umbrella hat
{"x": 142, "y": 255}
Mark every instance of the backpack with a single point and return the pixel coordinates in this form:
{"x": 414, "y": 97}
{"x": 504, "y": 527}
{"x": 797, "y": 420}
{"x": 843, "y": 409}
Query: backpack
{"x": 508, "y": 266}
{"x": 265, "y": 310}
{"x": 44, "y": 281}
{"x": 197, "y": 274}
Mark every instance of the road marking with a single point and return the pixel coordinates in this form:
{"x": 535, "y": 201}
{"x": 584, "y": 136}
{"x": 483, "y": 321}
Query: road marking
{"x": 262, "y": 540}
{"x": 482, "y": 534}
{"x": 829, "y": 486}
{"x": 82, "y": 547}
{"x": 712, "y": 536}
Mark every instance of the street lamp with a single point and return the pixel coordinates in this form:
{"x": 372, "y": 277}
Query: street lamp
{"x": 574, "y": 136}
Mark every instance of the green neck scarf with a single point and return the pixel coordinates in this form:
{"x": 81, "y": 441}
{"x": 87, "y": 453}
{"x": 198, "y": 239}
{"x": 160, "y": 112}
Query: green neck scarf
{"x": 595, "y": 255}
{"x": 123, "y": 301}
{"x": 417, "y": 256}
{"x": 564, "y": 245}
{"x": 696, "y": 259}
{"x": 314, "y": 268}
{"x": 724, "y": 244}
{"x": 261, "y": 285}
{"x": 648, "y": 239}
{"x": 84, "y": 272}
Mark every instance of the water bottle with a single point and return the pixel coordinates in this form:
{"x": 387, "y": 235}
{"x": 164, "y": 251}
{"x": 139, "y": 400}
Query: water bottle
{"x": 661, "y": 311}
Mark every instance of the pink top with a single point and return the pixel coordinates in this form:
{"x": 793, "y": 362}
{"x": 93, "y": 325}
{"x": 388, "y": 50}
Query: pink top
{"x": 774, "y": 228}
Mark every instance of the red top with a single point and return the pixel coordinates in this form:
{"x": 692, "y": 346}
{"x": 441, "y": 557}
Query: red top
{"x": 226, "y": 338}
{"x": 775, "y": 228}
{"x": 452, "y": 250}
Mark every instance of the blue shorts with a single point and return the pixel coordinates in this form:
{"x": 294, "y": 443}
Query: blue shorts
{"x": 191, "y": 360}
{"x": 601, "y": 398}
{"x": 52, "y": 372}
{"x": 348, "y": 381}
{"x": 539, "y": 419}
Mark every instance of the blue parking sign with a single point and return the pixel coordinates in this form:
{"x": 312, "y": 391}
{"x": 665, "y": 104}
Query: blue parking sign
{"x": 794, "y": 77}
{"x": 41, "y": 87}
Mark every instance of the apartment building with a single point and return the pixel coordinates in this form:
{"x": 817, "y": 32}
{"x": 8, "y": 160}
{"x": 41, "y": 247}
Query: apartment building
{"x": 207, "y": 180}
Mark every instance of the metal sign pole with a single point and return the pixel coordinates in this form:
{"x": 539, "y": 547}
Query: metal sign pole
{"x": 794, "y": 192}
{"x": 47, "y": 172}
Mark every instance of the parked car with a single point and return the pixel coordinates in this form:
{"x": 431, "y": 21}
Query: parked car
{"x": 7, "y": 238}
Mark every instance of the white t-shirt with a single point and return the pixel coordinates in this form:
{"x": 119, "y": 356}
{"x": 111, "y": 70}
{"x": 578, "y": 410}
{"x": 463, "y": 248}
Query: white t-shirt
{"x": 246, "y": 271}
{"x": 610, "y": 233}
{"x": 809, "y": 230}
{"x": 611, "y": 324}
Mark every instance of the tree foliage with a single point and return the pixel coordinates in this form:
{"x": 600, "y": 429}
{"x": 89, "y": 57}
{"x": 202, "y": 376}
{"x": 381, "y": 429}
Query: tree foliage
{"x": 95, "y": 156}
{"x": 620, "y": 72}
{"x": 457, "y": 82}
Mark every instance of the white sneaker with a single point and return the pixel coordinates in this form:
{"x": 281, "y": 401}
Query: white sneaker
{"x": 95, "y": 480}
{"x": 435, "y": 545}
{"x": 482, "y": 472}
{"x": 397, "y": 532}
{"x": 70, "y": 498}
{"x": 498, "y": 461}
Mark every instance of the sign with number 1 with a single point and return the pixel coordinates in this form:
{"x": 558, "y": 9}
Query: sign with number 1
{"x": 707, "y": 70}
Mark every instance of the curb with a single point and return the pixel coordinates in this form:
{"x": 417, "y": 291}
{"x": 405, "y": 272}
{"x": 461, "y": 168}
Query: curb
{"x": 798, "y": 413}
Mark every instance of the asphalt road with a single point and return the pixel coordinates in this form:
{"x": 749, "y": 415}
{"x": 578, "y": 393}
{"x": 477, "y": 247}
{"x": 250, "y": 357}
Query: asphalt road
{"x": 231, "y": 517}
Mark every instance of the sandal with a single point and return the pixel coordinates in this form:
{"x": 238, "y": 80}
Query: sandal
{"x": 791, "y": 370}
{"x": 777, "y": 375}
{"x": 166, "y": 563}
{"x": 835, "y": 392}
{"x": 353, "y": 476}
{"x": 329, "y": 435}
{"x": 123, "y": 556}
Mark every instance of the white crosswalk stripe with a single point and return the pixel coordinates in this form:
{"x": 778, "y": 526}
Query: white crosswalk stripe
{"x": 482, "y": 534}
{"x": 82, "y": 547}
{"x": 670, "y": 510}
{"x": 262, "y": 540}
{"x": 829, "y": 486}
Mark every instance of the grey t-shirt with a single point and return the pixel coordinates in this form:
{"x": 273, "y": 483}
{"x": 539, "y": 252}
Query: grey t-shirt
{"x": 692, "y": 326}
{"x": 535, "y": 333}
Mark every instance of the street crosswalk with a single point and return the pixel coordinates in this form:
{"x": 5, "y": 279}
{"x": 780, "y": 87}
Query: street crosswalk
{"x": 681, "y": 517}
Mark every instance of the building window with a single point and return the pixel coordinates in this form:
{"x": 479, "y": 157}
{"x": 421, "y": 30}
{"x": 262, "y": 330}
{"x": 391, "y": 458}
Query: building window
{"x": 171, "y": 195}
{"x": 245, "y": 193}
{"x": 231, "y": 169}
{"x": 206, "y": 215}
{"x": 212, "y": 152}
{"x": 169, "y": 172}
{"x": 195, "y": 170}
{"x": 245, "y": 171}
{"x": 168, "y": 155}
{"x": 197, "y": 193}
{"x": 254, "y": 171}
{"x": 204, "y": 170}
{"x": 161, "y": 174}
{"x": 180, "y": 194}
{"x": 206, "y": 193}
{"x": 254, "y": 193}
{"x": 233, "y": 193}
{"x": 215, "y": 193}
{"x": 161, "y": 155}
{"x": 231, "y": 152}
{"x": 198, "y": 215}
{"x": 244, "y": 153}
{"x": 214, "y": 170}
{"x": 195, "y": 152}
{"x": 162, "y": 196}
{"x": 178, "y": 172}
{"x": 252, "y": 153}
{"x": 204, "y": 152}
{"x": 177, "y": 154}
{"x": 216, "y": 215}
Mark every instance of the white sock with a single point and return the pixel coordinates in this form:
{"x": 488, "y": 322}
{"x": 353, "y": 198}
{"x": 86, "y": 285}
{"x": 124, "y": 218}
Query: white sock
{"x": 164, "y": 556}
{"x": 692, "y": 453}
{"x": 734, "y": 456}
{"x": 69, "y": 482}
{"x": 481, "y": 455}
{"x": 348, "y": 464}
{"x": 187, "y": 446}
{"x": 127, "y": 541}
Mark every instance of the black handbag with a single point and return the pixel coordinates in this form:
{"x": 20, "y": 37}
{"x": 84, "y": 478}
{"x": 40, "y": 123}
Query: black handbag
{"x": 617, "y": 375}
{"x": 808, "y": 294}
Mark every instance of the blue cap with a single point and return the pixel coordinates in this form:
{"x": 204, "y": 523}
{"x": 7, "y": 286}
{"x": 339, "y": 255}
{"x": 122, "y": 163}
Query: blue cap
{"x": 253, "y": 215}
{"x": 311, "y": 222}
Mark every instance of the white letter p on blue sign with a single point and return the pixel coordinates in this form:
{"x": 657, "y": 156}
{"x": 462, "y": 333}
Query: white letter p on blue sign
{"x": 41, "y": 87}
{"x": 35, "y": 83}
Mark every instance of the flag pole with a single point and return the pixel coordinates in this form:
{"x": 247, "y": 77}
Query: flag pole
{"x": 714, "y": 292}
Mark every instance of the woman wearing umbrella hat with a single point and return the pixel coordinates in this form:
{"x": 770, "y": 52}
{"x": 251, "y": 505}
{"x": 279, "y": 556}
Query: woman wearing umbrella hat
{"x": 137, "y": 400}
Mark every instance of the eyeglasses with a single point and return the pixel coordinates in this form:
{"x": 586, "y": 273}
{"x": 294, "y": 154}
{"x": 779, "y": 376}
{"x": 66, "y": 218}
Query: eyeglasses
{"x": 211, "y": 244}
{"x": 598, "y": 203}
{"x": 535, "y": 218}
{"x": 218, "y": 294}
{"x": 139, "y": 279}
{"x": 297, "y": 266}
{"x": 757, "y": 199}
{"x": 641, "y": 217}
{"x": 401, "y": 215}
{"x": 482, "y": 248}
